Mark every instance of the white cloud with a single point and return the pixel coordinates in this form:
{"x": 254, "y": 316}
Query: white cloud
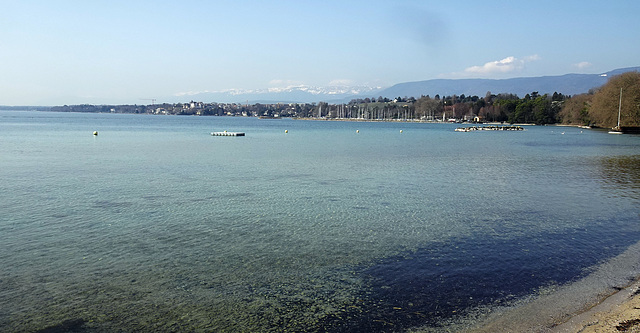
{"x": 496, "y": 68}
{"x": 531, "y": 58}
{"x": 582, "y": 65}
{"x": 506, "y": 65}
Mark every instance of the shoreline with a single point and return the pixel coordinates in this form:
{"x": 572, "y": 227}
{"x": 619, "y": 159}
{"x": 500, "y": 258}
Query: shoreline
{"x": 417, "y": 121}
{"x": 420, "y": 121}
{"x": 606, "y": 298}
{"x": 619, "y": 312}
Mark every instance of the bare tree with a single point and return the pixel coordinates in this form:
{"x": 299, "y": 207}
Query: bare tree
{"x": 604, "y": 109}
{"x": 575, "y": 110}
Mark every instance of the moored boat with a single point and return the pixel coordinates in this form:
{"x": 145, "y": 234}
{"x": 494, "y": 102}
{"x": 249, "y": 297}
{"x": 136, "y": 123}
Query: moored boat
{"x": 618, "y": 129}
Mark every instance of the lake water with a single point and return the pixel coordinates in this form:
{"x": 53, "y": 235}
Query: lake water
{"x": 155, "y": 225}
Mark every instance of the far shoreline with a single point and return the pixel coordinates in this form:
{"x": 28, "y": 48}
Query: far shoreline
{"x": 413, "y": 121}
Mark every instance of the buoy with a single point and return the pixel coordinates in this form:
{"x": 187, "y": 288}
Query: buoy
{"x": 357, "y": 131}
{"x": 400, "y": 131}
{"x": 95, "y": 133}
{"x": 286, "y": 131}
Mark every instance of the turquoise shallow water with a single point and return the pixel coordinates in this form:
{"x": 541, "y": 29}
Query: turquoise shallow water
{"x": 154, "y": 225}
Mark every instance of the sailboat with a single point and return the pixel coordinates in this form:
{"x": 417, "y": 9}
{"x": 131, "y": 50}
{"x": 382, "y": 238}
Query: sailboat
{"x": 617, "y": 129}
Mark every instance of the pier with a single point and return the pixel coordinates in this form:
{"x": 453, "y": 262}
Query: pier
{"x": 225, "y": 133}
{"x": 489, "y": 128}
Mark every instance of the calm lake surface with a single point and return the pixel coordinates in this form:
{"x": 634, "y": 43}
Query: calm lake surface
{"x": 155, "y": 225}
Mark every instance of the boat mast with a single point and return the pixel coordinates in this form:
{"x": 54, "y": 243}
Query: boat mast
{"x": 619, "y": 108}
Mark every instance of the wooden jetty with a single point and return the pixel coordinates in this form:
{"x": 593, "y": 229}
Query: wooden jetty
{"x": 225, "y": 133}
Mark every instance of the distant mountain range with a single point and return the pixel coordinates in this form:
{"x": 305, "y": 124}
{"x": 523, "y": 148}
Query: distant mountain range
{"x": 569, "y": 84}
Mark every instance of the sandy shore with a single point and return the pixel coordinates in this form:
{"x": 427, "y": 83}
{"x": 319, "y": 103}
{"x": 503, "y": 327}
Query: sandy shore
{"x": 607, "y": 300}
{"x": 618, "y": 313}
{"x": 567, "y": 312}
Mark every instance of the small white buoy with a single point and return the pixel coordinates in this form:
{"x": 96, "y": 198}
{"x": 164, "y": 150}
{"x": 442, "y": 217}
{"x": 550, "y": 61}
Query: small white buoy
{"x": 357, "y": 131}
{"x": 286, "y": 131}
{"x": 95, "y": 133}
{"x": 400, "y": 131}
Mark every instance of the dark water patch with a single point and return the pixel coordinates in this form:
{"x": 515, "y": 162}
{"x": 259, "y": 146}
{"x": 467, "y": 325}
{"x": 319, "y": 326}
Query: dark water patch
{"x": 203, "y": 199}
{"x": 67, "y": 326}
{"x": 155, "y": 197}
{"x": 107, "y": 204}
{"x": 329, "y": 182}
{"x": 236, "y": 195}
{"x": 278, "y": 177}
{"x": 572, "y": 143}
{"x": 434, "y": 285}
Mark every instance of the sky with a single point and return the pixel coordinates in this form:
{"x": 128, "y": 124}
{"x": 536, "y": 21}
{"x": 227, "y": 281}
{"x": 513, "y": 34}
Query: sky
{"x": 129, "y": 52}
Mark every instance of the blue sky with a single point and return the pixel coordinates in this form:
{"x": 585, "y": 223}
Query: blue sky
{"x": 113, "y": 52}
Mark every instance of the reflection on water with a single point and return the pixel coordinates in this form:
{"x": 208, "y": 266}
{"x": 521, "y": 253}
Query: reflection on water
{"x": 621, "y": 175}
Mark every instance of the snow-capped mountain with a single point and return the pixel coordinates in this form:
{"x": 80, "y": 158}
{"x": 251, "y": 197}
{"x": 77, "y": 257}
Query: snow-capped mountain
{"x": 290, "y": 94}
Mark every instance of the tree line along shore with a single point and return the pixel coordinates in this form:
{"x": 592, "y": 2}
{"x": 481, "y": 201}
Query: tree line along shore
{"x": 597, "y": 108}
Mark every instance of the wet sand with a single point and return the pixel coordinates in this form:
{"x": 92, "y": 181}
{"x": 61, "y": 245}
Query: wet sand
{"x": 618, "y": 313}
